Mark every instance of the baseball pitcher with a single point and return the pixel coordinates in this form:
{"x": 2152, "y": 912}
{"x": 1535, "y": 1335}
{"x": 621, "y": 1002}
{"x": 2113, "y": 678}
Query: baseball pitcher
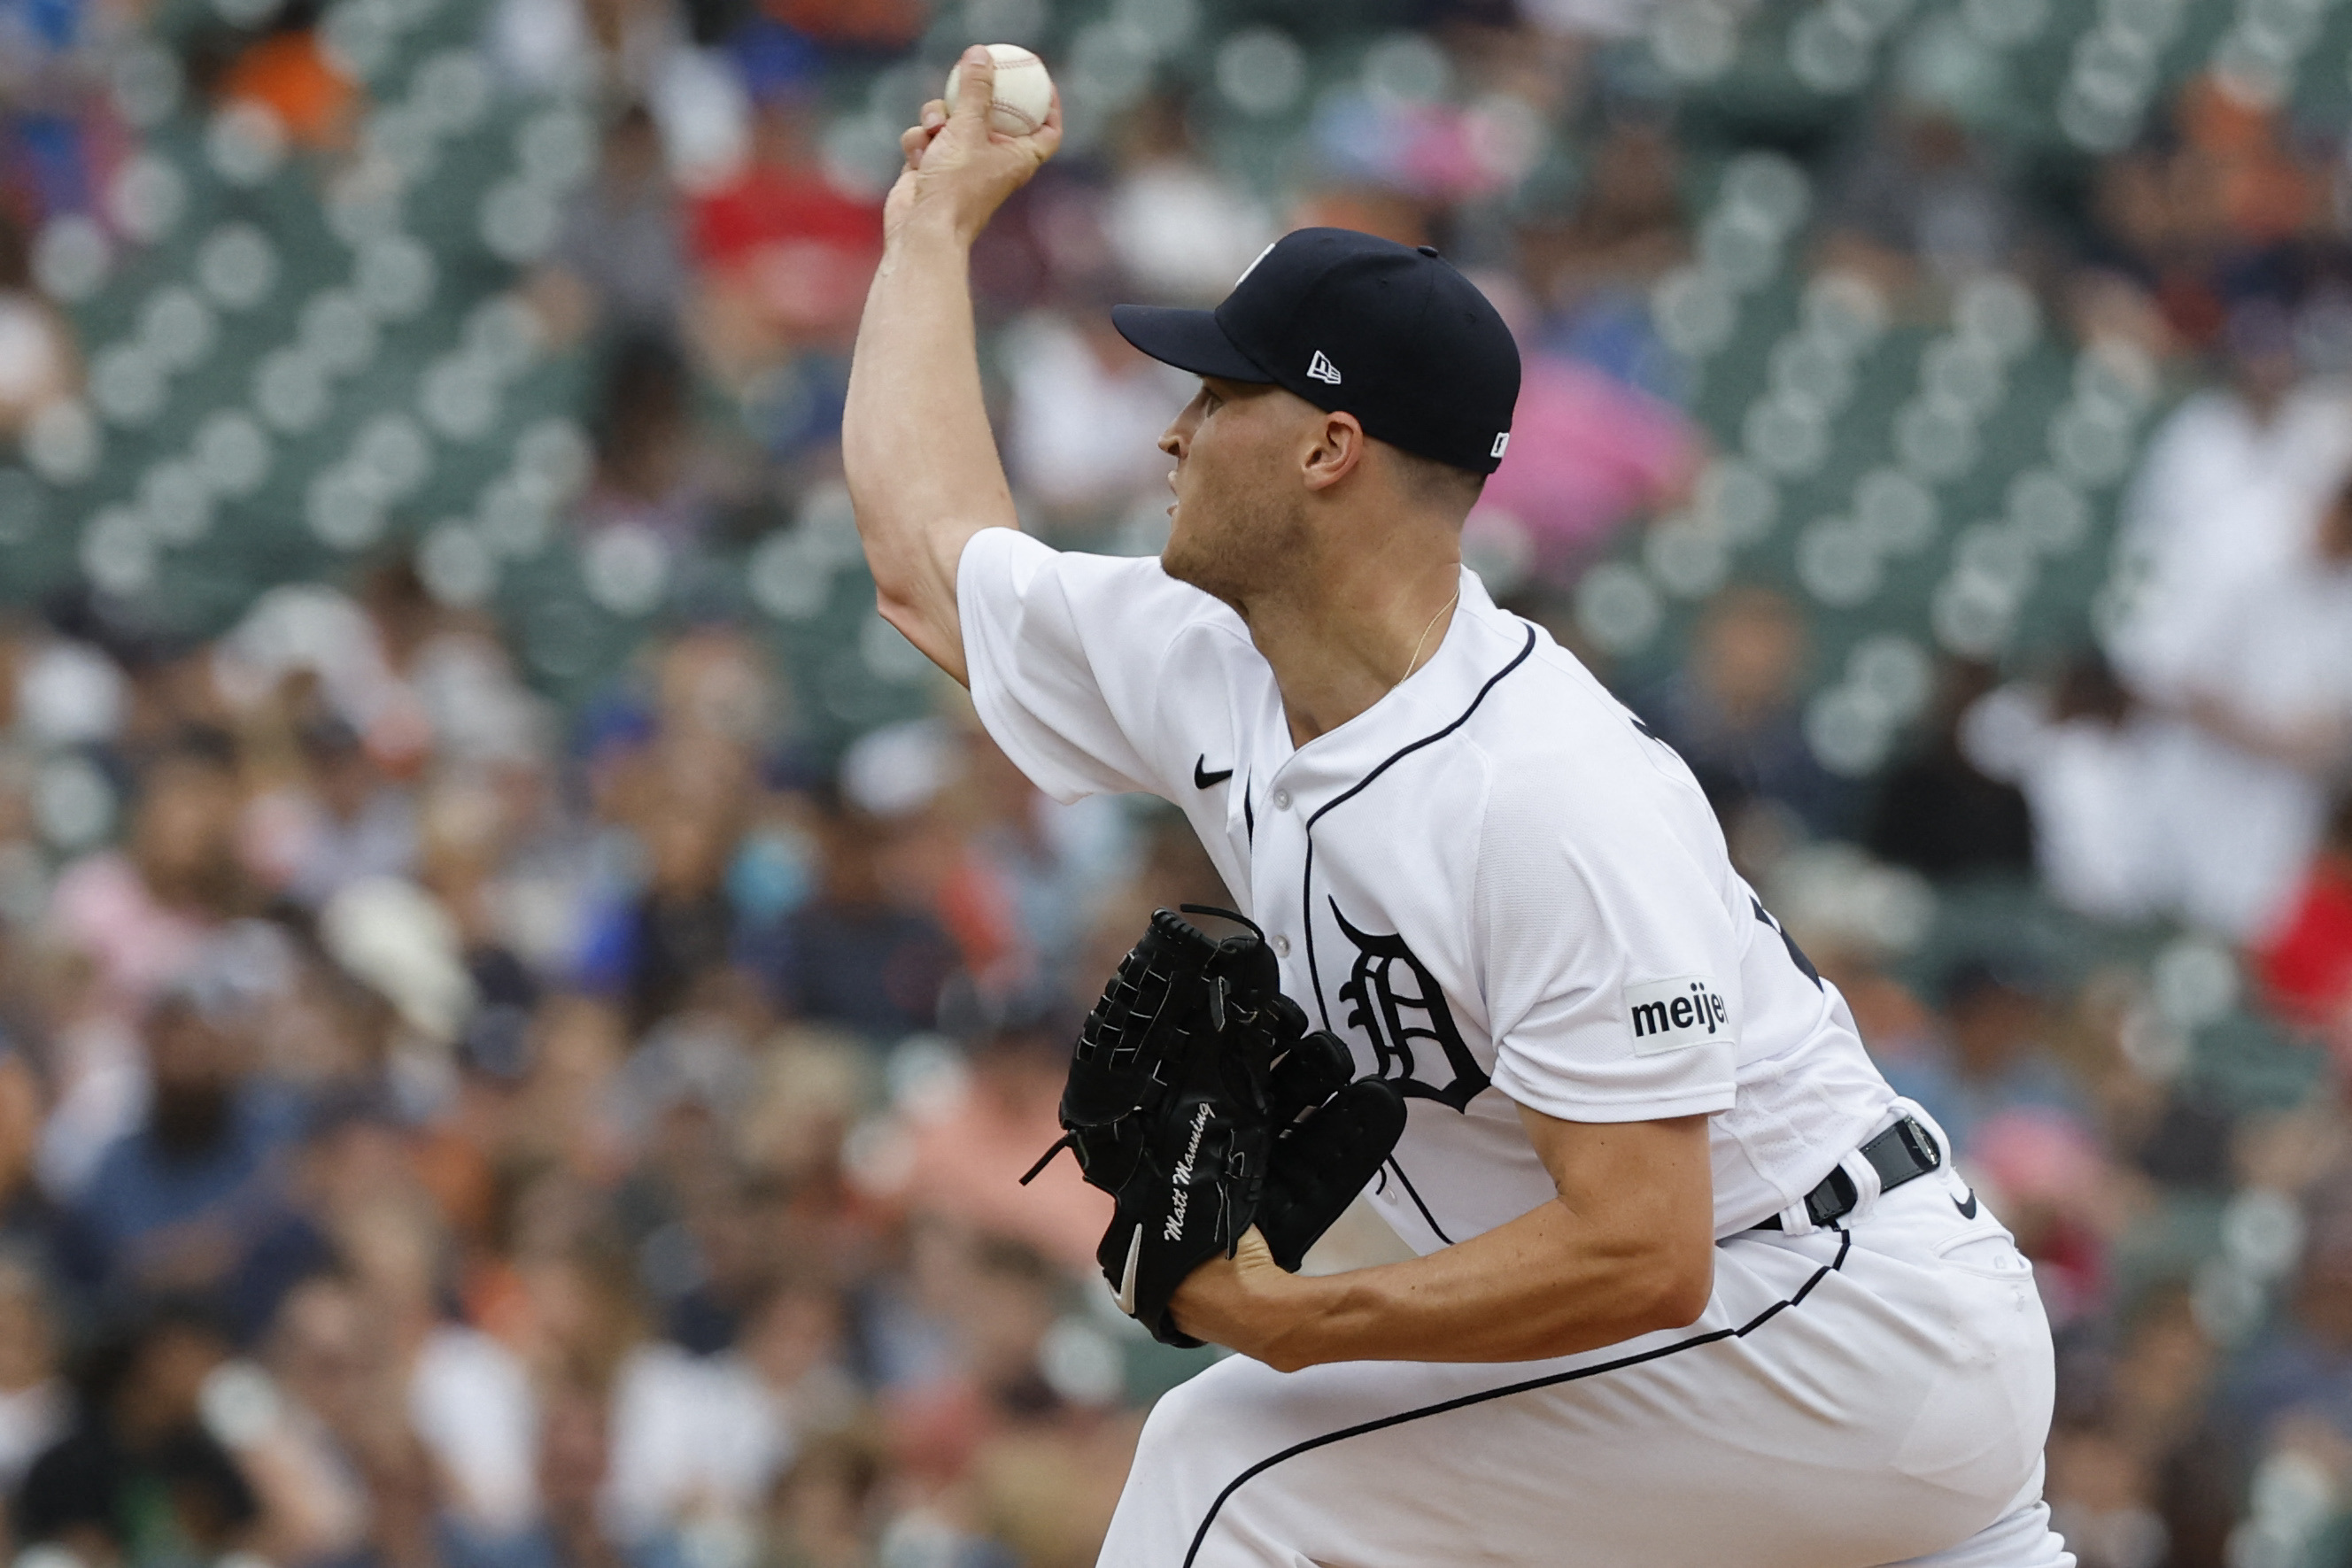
{"x": 1693, "y": 1286}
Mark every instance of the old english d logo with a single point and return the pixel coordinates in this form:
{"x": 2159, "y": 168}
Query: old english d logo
{"x": 1380, "y": 1010}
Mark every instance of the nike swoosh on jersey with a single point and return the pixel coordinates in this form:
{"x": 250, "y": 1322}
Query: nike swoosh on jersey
{"x": 1203, "y": 778}
{"x": 1126, "y": 1280}
{"x": 1969, "y": 1209}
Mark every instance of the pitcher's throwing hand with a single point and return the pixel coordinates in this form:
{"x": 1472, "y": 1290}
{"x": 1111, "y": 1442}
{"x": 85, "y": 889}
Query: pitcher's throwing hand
{"x": 959, "y": 169}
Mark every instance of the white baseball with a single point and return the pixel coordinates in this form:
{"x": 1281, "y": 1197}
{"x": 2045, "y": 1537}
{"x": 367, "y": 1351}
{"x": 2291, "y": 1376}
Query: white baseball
{"x": 1023, "y": 95}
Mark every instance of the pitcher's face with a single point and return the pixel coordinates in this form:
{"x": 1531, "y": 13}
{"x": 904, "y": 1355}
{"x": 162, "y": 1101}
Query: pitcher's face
{"x": 1236, "y": 524}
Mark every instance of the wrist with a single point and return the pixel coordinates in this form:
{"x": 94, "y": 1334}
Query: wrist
{"x": 929, "y": 231}
{"x": 1276, "y": 1316}
{"x": 1248, "y": 1303}
{"x": 1290, "y": 1320}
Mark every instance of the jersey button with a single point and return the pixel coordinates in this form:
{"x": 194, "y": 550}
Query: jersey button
{"x": 1282, "y": 800}
{"x": 1281, "y": 945}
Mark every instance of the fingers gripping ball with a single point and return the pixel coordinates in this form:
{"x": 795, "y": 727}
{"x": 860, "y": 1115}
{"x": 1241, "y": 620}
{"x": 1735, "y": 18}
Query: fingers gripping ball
{"x": 1023, "y": 95}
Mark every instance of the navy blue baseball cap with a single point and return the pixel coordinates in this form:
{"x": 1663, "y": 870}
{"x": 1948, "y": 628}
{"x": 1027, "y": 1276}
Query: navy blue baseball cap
{"x": 1357, "y": 324}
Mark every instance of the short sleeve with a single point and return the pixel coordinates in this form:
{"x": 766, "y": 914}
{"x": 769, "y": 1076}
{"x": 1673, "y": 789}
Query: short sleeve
{"x": 1611, "y": 968}
{"x": 1068, "y": 655}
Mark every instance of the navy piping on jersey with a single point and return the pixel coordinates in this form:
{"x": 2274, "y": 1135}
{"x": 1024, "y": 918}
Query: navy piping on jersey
{"x": 1414, "y": 1193}
{"x": 1845, "y": 1243}
{"x": 1361, "y": 785}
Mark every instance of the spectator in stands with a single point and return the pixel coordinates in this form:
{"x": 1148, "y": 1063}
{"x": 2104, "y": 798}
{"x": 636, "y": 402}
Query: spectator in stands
{"x": 968, "y": 1140}
{"x": 1039, "y": 1471}
{"x": 646, "y": 458}
{"x": 2295, "y": 1384}
{"x": 1086, "y": 418}
{"x": 93, "y": 1067}
{"x": 2081, "y": 755}
{"x": 2259, "y": 731}
{"x": 2196, "y": 221}
{"x": 2224, "y": 495}
{"x": 38, "y": 359}
{"x": 33, "y": 1233}
{"x": 1937, "y": 811}
{"x": 288, "y": 73}
{"x": 1995, "y": 1057}
{"x": 2306, "y": 960}
{"x": 783, "y": 254}
{"x": 1589, "y": 452}
{"x": 829, "y": 1508}
{"x": 2140, "y": 1471}
{"x": 34, "y": 1404}
{"x": 1176, "y": 226}
{"x": 620, "y": 263}
{"x": 680, "y": 1436}
{"x": 574, "y": 1465}
{"x": 139, "y": 1479}
{"x": 796, "y": 1343}
{"x": 142, "y": 913}
{"x": 1591, "y": 275}
{"x": 1919, "y": 199}
{"x": 1001, "y": 1300}
{"x": 652, "y": 952}
{"x": 1732, "y": 713}
{"x": 2035, "y": 1152}
{"x": 341, "y": 1443}
{"x": 467, "y": 1397}
{"x": 1021, "y": 874}
{"x": 180, "y": 1203}
{"x": 349, "y": 823}
{"x": 883, "y": 27}
{"x": 856, "y": 954}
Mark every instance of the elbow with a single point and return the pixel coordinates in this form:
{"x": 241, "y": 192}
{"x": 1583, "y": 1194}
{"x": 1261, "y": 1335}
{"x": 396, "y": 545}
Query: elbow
{"x": 937, "y": 640}
{"x": 1680, "y": 1285}
{"x": 899, "y": 611}
{"x": 1654, "y": 1289}
{"x": 919, "y": 622}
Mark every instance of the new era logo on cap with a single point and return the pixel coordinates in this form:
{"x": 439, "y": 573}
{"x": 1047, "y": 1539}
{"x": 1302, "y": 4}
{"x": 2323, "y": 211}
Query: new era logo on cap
{"x": 1322, "y": 369}
{"x": 1501, "y": 441}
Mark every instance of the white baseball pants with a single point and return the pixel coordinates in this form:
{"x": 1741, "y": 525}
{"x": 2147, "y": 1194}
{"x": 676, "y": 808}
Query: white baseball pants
{"x": 1870, "y": 1396}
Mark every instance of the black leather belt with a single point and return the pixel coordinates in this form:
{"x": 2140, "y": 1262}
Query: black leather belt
{"x": 1902, "y": 1152}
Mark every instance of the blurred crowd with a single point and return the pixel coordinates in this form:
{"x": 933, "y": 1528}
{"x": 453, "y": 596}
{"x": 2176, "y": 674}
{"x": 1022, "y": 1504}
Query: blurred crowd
{"x": 435, "y": 1136}
{"x": 441, "y": 1126}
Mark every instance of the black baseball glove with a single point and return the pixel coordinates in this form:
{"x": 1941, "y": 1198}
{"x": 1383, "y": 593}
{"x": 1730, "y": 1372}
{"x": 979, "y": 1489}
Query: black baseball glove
{"x": 1197, "y": 1100}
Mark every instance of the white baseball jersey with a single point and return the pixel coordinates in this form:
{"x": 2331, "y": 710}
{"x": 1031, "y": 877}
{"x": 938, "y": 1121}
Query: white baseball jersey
{"x": 1500, "y": 890}
{"x": 1494, "y": 884}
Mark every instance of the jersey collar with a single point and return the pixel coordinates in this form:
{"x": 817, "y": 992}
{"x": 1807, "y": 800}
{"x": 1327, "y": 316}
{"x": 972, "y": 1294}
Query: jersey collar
{"x": 1480, "y": 643}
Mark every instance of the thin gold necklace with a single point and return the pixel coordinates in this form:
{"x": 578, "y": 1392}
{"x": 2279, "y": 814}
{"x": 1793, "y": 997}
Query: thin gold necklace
{"x": 1415, "y": 663}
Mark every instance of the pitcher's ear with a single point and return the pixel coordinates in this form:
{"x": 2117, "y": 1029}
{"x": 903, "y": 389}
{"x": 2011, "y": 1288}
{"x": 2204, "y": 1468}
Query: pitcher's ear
{"x": 1338, "y": 452}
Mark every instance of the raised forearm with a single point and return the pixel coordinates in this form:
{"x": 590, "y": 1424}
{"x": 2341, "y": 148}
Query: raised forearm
{"x": 921, "y": 462}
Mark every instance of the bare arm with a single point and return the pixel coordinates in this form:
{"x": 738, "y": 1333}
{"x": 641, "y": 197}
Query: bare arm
{"x": 1627, "y": 1248}
{"x": 2316, "y": 743}
{"x": 922, "y": 464}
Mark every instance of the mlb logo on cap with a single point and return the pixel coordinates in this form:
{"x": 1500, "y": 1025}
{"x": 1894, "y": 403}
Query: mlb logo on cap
{"x": 1430, "y": 367}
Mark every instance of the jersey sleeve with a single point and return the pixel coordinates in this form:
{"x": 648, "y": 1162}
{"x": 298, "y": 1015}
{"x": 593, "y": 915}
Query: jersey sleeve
{"x": 1068, "y": 655}
{"x": 1611, "y": 968}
